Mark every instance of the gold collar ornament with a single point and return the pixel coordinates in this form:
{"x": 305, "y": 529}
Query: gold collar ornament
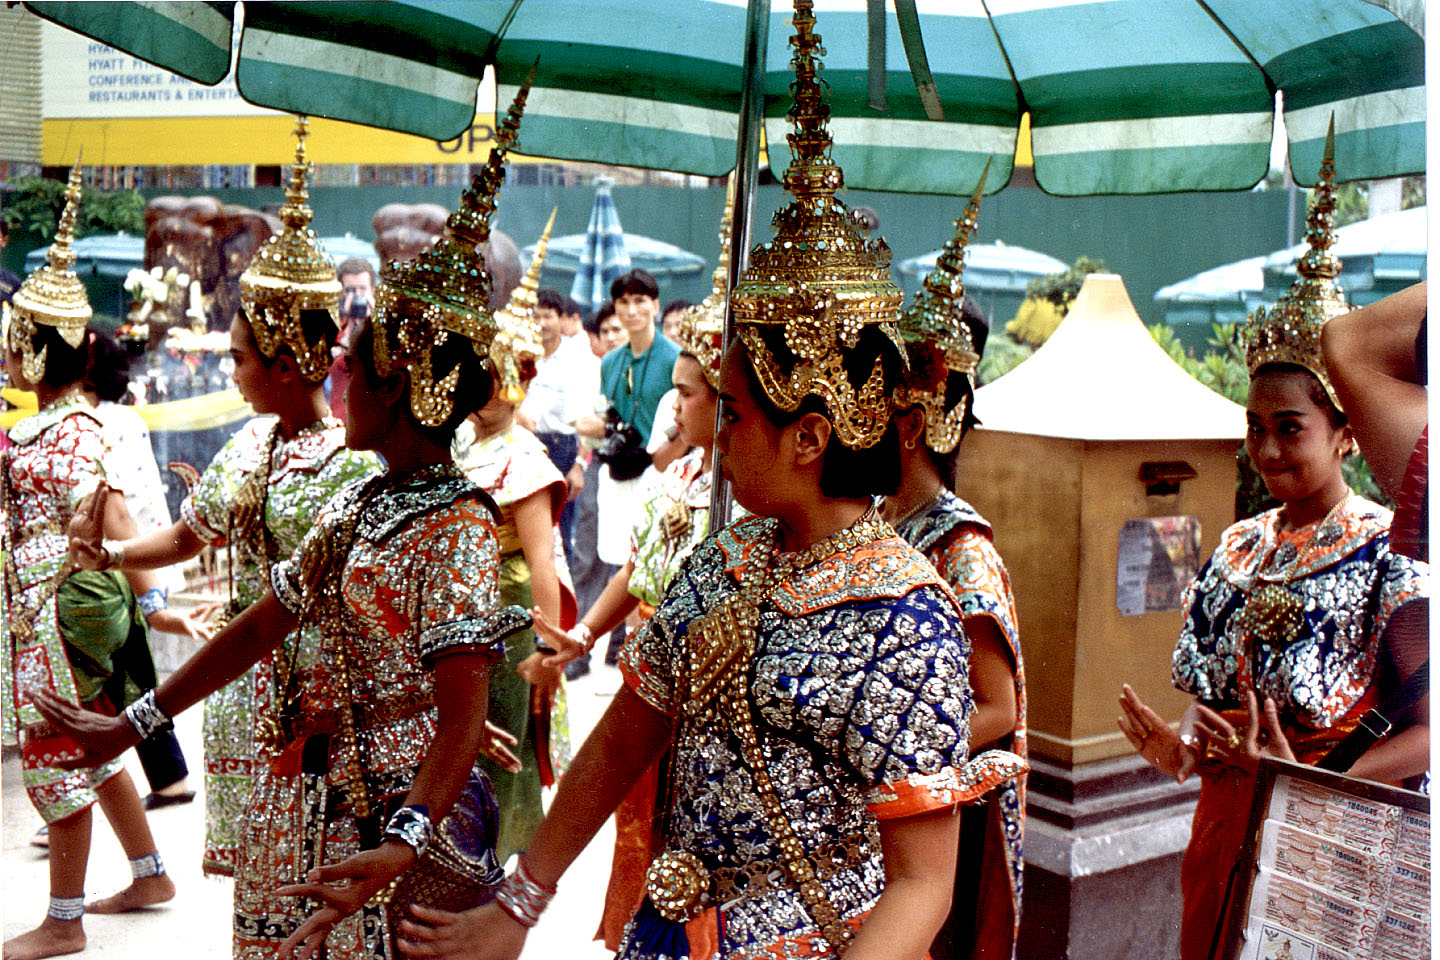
{"x": 446, "y": 289}
{"x": 936, "y": 319}
{"x": 290, "y": 274}
{"x": 819, "y": 278}
{"x": 517, "y": 346}
{"x": 702, "y": 327}
{"x": 53, "y": 295}
{"x": 1290, "y": 331}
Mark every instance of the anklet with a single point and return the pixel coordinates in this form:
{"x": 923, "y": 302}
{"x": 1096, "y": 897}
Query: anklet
{"x": 66, "y": 908}
{"x": 149, "y": 865}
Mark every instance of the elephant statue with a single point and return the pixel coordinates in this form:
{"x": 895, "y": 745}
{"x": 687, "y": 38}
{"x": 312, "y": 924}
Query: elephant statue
{"x": 403, "y": 230}
{"x": 210, "y": 241}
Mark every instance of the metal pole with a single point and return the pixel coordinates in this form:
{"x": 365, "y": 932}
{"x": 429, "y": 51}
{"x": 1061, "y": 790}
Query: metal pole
{"x": 747, "y": 171}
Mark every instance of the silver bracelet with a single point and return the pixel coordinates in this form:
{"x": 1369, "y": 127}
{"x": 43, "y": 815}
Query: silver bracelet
{"x": 114, "y": 552}
{"x": 411, "y": 826}
{"x": 146, "y": 716}
{"x": 522, "y": 897}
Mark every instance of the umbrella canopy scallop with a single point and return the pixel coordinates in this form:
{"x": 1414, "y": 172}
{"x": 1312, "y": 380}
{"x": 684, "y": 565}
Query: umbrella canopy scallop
{"x": 1123, "y": 96}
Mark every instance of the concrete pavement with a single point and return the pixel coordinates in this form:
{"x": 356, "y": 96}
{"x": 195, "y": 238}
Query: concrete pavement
{"x": 196, "y": 924}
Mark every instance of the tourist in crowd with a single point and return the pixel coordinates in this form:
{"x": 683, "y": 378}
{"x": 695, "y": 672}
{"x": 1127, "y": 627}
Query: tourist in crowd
{"x": 670, "y": 318}
{"x": 357, "y": 300}
{"x": 1302, "y": 620}
{"x": 564, "y": 388}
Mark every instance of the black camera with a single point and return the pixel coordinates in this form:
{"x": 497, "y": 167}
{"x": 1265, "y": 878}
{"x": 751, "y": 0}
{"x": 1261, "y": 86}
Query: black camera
{"x": 623, "y": 448}
{"x": 355, "y": 307}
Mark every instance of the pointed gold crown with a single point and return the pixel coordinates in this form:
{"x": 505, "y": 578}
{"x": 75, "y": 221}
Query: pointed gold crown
{"x": 517, "y": 346}
{"x": 702, "y": 327}
{"x": 53, "y": 295}
{"x": 446, "y": 289}
{"x": 819, "y": 278}
{"x": 936, "y": 318}
{"x": 1290, "y": 331}
{"x": 291, "y": 273}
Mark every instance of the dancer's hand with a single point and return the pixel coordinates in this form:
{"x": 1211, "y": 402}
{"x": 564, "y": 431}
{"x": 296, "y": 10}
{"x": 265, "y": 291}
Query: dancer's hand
{"x": 544, "y": 681}
{"x": 484, "y": 933}
{"x": 189, "y": 624}
{"x": 99, "y": 737}
{"x": 1262, "y": 737}
{"x": 1169, "y": 750}
{"x": 87, "y": 531}
{"x": 495, "y": 743}
{"x": 567, "y": 645}
{"x": 342, "y": 888}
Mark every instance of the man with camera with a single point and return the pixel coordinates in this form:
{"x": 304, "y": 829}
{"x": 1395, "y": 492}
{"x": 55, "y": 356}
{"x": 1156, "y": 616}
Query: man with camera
{"x": 633, "y": 378}
{"x": 357, "y": 299}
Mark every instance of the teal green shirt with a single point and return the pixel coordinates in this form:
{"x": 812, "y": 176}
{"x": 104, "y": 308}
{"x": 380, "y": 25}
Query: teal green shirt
{"x": 634, "y": 385}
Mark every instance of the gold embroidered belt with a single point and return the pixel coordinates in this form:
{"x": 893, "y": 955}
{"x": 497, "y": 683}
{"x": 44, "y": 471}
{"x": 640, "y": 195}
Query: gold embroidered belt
{"x": 681, "y": 886}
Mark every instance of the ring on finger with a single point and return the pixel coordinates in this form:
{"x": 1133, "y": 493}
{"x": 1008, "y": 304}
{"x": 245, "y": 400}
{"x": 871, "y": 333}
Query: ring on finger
{"x": 1190, "y": 740}
{"x": 1233, "y": 741}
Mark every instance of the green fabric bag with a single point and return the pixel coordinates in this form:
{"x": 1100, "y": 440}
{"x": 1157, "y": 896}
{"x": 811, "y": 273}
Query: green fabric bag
{"x": 105, "y": 636}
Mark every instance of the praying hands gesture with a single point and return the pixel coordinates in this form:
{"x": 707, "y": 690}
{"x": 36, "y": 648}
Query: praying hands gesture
{"x": 1203, "y": 732}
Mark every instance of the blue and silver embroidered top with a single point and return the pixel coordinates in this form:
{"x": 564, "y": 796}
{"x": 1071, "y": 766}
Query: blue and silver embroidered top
{"x": 1349, "y": 584}
{"x": 860, "y": 696}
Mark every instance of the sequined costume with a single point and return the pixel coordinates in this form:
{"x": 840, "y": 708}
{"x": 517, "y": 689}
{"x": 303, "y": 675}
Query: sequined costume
{"x": 859, "y": 690}
{"x": 57, "y": 459}
{"x": 510, "y": 466}
{"x": 420, "y": 581}
{"x": 1323, "y": 679}
{"x": 959, "y": 542}
{"x": 673, "y": 519}
{"x": 305, "y": 472}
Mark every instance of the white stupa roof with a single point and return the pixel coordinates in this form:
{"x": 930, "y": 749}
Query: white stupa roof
{"x": 1101, "y": 376}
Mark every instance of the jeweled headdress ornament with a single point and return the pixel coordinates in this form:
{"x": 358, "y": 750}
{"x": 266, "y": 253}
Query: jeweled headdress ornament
{"x": 53, "y": 295}
{"x": 290, "y": 274}
{"x": 445, "y": 290}
{"x": 517, "y": 346}
{"x": 702, "y": 326}
{"x": 1290, "y": 331}
{"x": 936, "y": 318}
{"x": 819, "y": 278}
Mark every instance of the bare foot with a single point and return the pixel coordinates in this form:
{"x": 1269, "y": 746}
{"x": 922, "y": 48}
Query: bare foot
{"x": 53, "y": 938}
{"x": 145, "y": 892}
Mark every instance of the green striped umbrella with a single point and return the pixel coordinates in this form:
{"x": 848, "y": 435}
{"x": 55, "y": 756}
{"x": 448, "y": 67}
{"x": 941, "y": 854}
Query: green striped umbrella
{"x": 1125, "y": 96}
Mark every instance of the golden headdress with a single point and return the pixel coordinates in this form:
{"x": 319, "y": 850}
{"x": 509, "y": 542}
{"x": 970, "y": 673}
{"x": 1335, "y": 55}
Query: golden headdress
{"x": 445, "y": 290}
{"x": 819, "y": 279}
{"x": 702, "y": 326}
{"x": 291, "y": 273}
{"x": 936, "y": 318}
{"x": 517, "y": 346}
{"x": 1290, "y": 331}
{"x": 52, "y": 296}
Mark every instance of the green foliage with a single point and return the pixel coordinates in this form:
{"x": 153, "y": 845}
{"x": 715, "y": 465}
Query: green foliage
{"x": 1002, "y": 355}
{"x": 1062, "y": 288}
{"x": 37, "y": 202}
{"x": 1223, "y": 370}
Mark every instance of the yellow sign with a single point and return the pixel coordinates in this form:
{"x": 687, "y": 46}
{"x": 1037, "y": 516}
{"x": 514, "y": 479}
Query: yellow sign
{"x": 183, "y": 141}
